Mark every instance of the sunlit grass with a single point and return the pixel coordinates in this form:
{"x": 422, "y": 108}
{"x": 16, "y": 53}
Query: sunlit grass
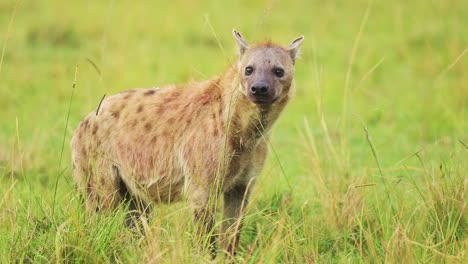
{"x": 367, "y": 163}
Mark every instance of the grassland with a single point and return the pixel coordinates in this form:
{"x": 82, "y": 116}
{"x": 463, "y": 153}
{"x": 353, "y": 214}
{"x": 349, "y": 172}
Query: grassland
{"x": 368, "y": 162}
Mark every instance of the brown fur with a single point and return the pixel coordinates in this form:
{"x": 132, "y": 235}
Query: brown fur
{"x": 194, "y": 140}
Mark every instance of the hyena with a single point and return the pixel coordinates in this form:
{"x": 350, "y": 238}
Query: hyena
{"x": 197, "y": 140}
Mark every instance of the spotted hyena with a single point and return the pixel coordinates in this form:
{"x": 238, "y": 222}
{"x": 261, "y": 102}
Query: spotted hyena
{"x": 195, "y": 140}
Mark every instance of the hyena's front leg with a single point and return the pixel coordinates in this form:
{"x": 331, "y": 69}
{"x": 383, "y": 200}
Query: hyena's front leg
{"x": 203, "y": 203}
{"x": 235, "y": 201}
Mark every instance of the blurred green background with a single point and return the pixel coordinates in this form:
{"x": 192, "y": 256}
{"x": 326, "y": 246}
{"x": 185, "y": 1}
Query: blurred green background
{"x": 398, "y": 68}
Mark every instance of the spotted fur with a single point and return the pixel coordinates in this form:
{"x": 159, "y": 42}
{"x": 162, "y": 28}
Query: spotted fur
{"x": 195, "y": 140}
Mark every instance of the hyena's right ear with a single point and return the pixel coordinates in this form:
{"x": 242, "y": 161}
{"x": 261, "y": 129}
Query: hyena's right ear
{"x": 241, "y": 43}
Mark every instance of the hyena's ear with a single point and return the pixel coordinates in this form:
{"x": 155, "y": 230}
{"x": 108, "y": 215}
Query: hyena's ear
{"x": 294, "y": 47}
{"x": 241, "y": 43}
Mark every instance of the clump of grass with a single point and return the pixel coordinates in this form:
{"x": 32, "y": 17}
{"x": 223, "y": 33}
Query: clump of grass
{"x": 327, "y": 193}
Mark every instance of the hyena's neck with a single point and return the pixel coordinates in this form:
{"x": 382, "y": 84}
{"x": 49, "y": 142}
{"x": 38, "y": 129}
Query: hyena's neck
{"x": 246, "y": 120}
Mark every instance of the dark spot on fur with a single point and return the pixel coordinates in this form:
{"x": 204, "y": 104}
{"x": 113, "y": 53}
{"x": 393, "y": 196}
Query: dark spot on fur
{"x": 205, "y": 100}
{"x": 127, "y": 96}
{"x": 164, "y": 133}
{"x": 161, "y": 172}
{"x": 220, "y": 111}
{"x": 153, "y": 141}
{"x": 85, "y": 124}
{"x": 215, "y": 132}
{"x": 171, "y": 120}
{"x": 102, "y": 180}
{"x": 95, "y": 129}
{"x": 148, "y": 126}
{"x": 167, "y": 100}
{"x": 116, "y": 114}
{"x": 150, "y": 92}
{"x": 180, "y": 117}
{"x": 134, "y": 123}
{"x": 161, "y": 110}
{"x": 83, "y": 151}
{"x": 140, "y": 108}
{"x": 175, "y": 94}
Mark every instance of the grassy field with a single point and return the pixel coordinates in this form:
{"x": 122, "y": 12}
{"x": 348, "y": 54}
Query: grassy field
{"x": 368, "y": 163}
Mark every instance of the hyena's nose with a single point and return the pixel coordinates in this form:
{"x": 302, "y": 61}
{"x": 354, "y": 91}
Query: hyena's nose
{"x": 260, "y": 88}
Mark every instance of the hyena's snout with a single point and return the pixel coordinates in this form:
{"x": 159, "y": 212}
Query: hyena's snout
{"x": 260, "y": 89}
{"x": 261, "y": 92}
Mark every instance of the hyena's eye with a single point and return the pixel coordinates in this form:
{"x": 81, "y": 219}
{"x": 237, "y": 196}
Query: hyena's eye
{"x": 279, "y": 72}
{"x": 249, "y": 70}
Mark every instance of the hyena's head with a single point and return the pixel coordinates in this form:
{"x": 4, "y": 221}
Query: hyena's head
{"x": 266, "y": 70}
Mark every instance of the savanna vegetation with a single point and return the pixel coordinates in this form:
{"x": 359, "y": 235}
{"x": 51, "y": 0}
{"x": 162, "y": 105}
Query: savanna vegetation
{"x": 367, "y": 164}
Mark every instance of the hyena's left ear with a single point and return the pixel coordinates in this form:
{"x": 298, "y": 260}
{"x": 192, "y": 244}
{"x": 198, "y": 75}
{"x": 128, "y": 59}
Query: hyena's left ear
{"x": 241, "y": 43}
{"x": 294, "y": 47}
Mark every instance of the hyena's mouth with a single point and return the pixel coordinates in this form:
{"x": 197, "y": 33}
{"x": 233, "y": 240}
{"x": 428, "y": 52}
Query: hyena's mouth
{"x": 262, "y": 100}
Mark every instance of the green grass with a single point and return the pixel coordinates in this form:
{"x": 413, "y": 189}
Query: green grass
{"x": 329, "y": 192}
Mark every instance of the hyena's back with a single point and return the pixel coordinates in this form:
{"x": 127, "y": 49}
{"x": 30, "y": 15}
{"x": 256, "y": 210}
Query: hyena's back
{"x": 144, "y": 140}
